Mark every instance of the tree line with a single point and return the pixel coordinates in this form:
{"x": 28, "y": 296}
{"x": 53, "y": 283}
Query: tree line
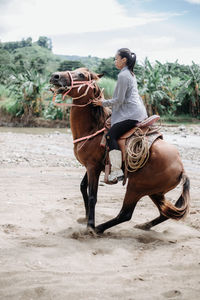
{"x": 169, "y": 89}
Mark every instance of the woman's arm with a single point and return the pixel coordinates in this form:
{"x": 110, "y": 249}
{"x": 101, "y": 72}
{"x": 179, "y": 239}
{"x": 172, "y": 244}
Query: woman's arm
{"x": 119, "y": 94}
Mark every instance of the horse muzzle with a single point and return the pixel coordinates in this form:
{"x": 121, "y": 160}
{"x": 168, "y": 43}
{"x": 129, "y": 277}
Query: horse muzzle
{"x": 59, "y": 82}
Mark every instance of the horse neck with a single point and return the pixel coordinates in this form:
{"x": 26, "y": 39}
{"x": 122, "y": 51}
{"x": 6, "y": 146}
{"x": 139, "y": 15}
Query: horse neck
{"x": 81, "y": 121}
{"x": 88, "y": 119}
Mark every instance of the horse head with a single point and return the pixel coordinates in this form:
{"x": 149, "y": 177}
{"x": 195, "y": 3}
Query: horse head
{"x": 75, "y": 83}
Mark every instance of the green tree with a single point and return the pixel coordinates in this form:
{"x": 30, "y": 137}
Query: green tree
{"x": 45, "y": 42}
{"x": 38, "y": 58}
{"x": 107, "y": 67}
{"x": 38, "y": 64}
{"x": 11, "y": 46}
{"x": 5, "y": 65}
{"x": 70, "y": 65}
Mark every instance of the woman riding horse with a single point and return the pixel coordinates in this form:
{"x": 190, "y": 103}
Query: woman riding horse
{"x": 162, "y": 172}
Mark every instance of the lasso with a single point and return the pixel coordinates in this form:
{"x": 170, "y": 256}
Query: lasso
{"x": 137, "y": 152}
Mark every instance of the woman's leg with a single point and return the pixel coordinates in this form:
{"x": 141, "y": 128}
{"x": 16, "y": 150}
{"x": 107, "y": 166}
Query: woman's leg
{"x": 115, "y": 155}
{"x": 118, "y": 130}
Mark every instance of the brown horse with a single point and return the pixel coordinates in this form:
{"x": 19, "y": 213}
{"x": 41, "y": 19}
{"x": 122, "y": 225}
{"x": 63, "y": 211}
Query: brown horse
{"x": 162, "y": 173}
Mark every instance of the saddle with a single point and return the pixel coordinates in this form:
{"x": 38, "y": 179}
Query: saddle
{"x": 144, "y": 129}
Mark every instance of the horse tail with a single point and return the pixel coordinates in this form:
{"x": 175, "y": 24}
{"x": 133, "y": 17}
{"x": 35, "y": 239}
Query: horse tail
{"x": 181, "y": 207}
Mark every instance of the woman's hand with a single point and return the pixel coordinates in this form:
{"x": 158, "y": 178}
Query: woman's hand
{"x": 97, "y": 102}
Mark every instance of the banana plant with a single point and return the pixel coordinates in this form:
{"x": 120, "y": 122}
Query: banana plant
{"x": 29, "y": 88}
{"x": 189, "y": 93}
{"x": 153, "y": 88}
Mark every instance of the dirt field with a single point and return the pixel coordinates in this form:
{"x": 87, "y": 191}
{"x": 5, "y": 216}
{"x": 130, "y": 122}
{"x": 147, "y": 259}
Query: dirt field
{"x": 44, "y": 250}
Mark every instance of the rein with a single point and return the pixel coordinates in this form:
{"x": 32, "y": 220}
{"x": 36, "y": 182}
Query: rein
{"x": 68, "y": 104}
{"x": 79, "y": 85}
{"x": 89, "y": 136}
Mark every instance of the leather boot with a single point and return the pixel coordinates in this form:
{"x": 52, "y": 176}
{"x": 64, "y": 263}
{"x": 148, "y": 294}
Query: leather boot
{"x": 116, "y": 173}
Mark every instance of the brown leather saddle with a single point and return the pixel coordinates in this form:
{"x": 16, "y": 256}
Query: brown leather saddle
{"x": 146, "y": 128}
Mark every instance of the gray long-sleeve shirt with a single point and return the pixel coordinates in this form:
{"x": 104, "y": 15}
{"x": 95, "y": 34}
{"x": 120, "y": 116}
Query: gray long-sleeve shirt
{"x": 126, "y": 102}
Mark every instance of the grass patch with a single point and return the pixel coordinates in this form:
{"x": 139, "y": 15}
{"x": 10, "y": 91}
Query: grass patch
{"x": 109, "y": 85}
{"x": 180, "y": 119}
{"x": 11, "y": 106}
{"x": 4, "y": 93}
{"x": 8, "y": 103}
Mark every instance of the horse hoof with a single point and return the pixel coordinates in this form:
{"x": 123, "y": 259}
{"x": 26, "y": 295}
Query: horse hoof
{"x": 99, "y": 230}
{"x": 91, "y": 231}
{"x": 144, "y": 226}
{"x": 82, "y": 220}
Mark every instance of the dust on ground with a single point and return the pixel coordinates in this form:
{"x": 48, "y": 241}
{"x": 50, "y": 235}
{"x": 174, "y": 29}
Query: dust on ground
{"x": 45, "y": 253}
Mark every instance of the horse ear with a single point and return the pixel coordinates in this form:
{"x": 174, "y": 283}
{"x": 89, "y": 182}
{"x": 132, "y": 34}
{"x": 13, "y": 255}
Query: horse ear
{"x": 100, "y": 75}
{"x": 96, "y": 76}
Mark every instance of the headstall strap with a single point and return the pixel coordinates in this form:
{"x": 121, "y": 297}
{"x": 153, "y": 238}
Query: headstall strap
{"x": 79, "y": 85}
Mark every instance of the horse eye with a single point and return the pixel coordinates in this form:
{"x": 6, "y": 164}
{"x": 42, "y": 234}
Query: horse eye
{"x": 81, "y": 75}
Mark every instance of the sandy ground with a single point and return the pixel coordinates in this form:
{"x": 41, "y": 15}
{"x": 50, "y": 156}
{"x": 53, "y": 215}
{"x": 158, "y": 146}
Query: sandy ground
{"x": 44, "y": 251}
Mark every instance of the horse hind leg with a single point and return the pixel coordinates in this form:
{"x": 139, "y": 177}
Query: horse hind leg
{"x": 168, "y": 210}
{"x": 158, "y": 199}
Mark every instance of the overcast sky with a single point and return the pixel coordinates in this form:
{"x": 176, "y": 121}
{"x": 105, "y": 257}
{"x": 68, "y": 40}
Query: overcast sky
{"x": 165, "y": 30}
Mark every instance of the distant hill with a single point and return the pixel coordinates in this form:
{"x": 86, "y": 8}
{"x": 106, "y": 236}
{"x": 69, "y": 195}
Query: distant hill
{"x": 25, "y": 54}
{"x": 91, "y": 62}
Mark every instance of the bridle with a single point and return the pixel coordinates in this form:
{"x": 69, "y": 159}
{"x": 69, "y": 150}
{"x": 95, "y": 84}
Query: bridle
{"x": 79, "y": 84}
{"x": 76, "y": 84}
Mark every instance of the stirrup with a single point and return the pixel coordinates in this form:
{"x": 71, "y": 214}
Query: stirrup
{"x": 120, "y": 178}
{"x": 116, "y": 178}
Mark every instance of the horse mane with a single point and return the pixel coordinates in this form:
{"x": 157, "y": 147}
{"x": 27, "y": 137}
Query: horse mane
{"x": 99, "y": 114}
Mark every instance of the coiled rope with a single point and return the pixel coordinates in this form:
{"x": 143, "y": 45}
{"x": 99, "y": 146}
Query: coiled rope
{"x": 137, "y": 151}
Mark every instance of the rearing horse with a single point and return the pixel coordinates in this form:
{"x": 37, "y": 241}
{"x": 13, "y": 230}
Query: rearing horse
{"x": 162, "y": 173}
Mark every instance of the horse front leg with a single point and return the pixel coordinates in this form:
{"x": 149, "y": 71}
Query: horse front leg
{"x": 93, "y": 179}
{"x": 125, "y": 214}
{"x": 83, "y": 188}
